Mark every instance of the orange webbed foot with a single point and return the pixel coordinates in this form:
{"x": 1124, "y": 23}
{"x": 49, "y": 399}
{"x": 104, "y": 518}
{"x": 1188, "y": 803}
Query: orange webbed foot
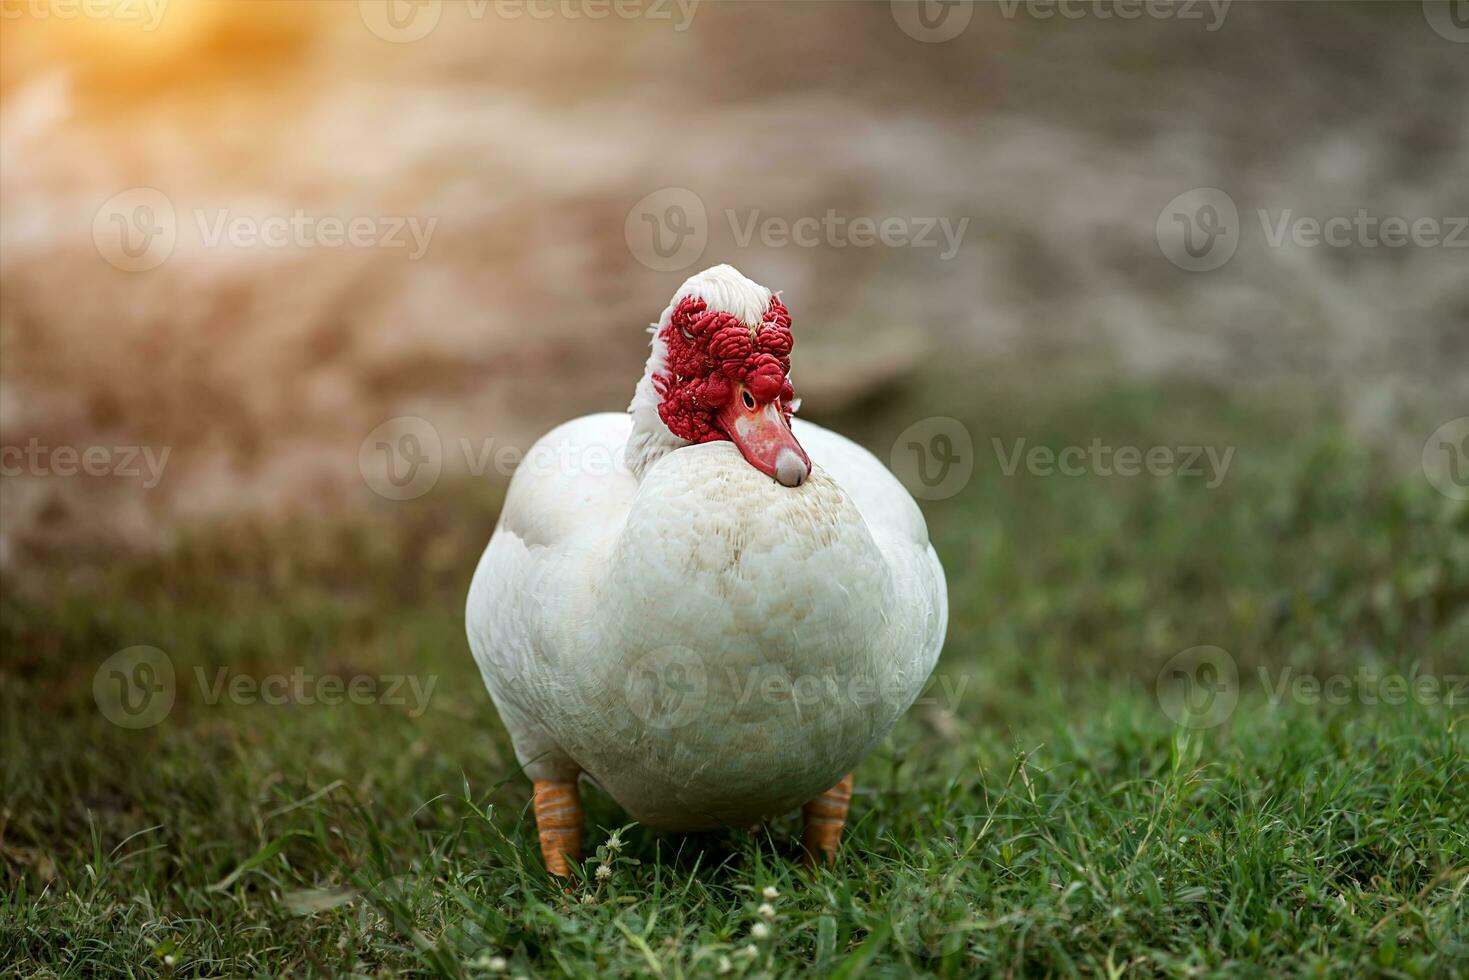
{"x": 558, "y": 821}
{"x": 825, "y": 817}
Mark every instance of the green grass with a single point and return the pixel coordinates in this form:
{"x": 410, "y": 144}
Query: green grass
{"x": 1055, "y": 821}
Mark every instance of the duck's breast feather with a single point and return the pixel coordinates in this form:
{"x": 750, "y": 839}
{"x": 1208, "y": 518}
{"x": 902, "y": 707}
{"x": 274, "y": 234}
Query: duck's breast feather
{"x": 883, "y": 501}
{"x": 898, "y": 527}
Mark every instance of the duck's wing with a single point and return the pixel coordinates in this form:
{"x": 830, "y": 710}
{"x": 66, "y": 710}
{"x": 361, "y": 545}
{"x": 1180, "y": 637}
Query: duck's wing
{"x": 532, "y": 590}
{"x": 574, "y": 479}
{"x": 920, "y": 600}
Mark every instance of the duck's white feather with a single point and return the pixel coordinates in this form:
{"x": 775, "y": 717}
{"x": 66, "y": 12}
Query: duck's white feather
{"x": 711, "y": 647}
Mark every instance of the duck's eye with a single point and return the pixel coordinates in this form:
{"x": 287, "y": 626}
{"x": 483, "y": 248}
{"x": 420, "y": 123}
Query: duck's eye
{"x": 748, "y": 400}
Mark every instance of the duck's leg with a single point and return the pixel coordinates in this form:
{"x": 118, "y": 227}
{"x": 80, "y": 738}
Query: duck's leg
{"x": 825, "y": 817}
{"x": 558, "y": 821}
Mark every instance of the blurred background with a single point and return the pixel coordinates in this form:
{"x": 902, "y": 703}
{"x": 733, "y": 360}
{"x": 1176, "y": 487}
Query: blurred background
{"x": 287, "y": 286}
{"x": 531, "y": 181}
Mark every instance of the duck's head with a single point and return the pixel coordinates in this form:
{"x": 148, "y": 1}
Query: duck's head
{"x": 720, "y": 369}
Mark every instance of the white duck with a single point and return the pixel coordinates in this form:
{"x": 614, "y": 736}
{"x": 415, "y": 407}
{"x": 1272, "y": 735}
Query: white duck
{"x": 682, "y": 605}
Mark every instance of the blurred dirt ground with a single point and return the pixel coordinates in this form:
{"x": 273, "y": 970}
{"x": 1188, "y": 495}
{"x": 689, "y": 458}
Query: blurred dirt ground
{"x": 527, "y": 142}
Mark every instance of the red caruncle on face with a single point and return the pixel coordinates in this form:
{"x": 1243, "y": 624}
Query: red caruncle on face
{"x": 710, "y": 354}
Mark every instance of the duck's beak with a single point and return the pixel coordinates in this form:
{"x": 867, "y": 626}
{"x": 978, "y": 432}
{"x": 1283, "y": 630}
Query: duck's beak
{"x": 764, "y": 439}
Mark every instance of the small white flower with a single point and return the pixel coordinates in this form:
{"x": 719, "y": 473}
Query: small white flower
{"x": 766, "y": 911}
{"x": 760, "y": 930}
{"x": 603, "y": 872}
{"x": 724, "y": 965}
{"x": 614, "y": 843}
{"x": 588, "y": 898}
{"x": 749, "y": 951}
{"x": 497, "y": 964}
{"x": 168, "y": 959}
{"x": 770, "y": 892}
